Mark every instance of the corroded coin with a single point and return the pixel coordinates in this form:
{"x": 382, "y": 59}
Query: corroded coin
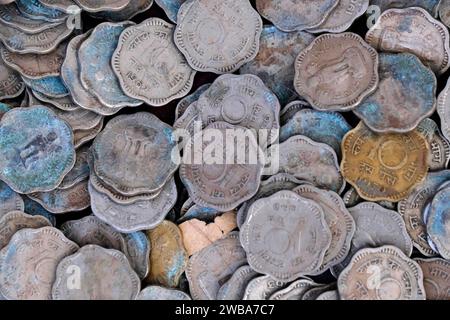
{"x": 80, "y": 170}
{"x": 436, "y": 278}
{"x": 396, "y": 276}
{"x": 63, "y": 5}
{"x": 161, "y": 293}
{"x": 285, "y": 236}
{"x": 218, "y": 35}
{"x": 49, "y": 86}
{"x": 96, "y": 72}
{"x": 336, "y": 72}
{"x": 79, "y": 119}
{"x": 234, "y": 288}
{"x": 138, "y": 252}
{"x": 103, "y": 5}
{"x": 184, "y": 103}
{"x": 291, "y": 109}
{"x": 105, "y": 274}
{"x": 404, "y": 97}
{"x": 34, "y": 9}
{"x": 35, "y": 209}
{"x": 11, "y": 16}
{"x": 36, "y": 149}
{"x": 168, "y": 258}
{"x": 28, "y": 263}
{"x": 310, "y": 161}
{"x": 291, "y": 15}
{"x": 4, "y": 108}
{"x": 274, "y": 63}
{"x": 132, "y": 9}
{"x": 170, "y": 7}
{"x": 11, "y": 84}
{"x": 430, "y": 5}
{"x": 294, "y": 291}
{"x": 438, "y": 222}
{"x": 444, "y": 12}
{"x": 156, "y": 76}
{"x": 261, "y": 288}
{"x": 80, "y": 137}
{"x": 415, "y": 31}
{"x": 208, "y": 268}
{"x": 9, "y": 200}
{"x": 439, "y": 146}
{"x": 384, "y": 166}
{"x": 443, "y": 109}
{"x": 329, "y": 295}
{"x": 63, "y": 103}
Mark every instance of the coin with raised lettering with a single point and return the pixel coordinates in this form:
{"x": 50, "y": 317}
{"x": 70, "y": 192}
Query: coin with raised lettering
{"x": 234, "y": 288}
{"x": 443, "y": 109}
{"x": 261, "y": 288}
{"x": 11, "y": 84}
{"x": 294, "y": 291}
{"x": 439, "y": 146}
{"x": 436, "y": 278}
{"x": 438, "y": 222}
{"x": 161, "y": 293}
{"x": 11, "y": 16}
{"x": 103, "y": 5}
{"x": 34, "y": 9}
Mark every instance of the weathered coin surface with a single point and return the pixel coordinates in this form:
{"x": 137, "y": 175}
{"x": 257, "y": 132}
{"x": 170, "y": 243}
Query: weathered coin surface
{"x": 161, "y": 293}
{"x": 438, "y": 222}
{"x": 439, "y": 146}
{"x": 291, "y": 109}
{"x": 28, "y": 263}
{"x": 11, "y": 84}
{"x": 398, "y": 277}
{"x": 234, "y": 288}
{"x": 405, "y": 96}
{"x": 79, "y": 119}
{"x": 156, "y": 76}
{"x": 384, "y": 166}
{"x": 138, "y": 252}
{"x": 218, "y": 36}
{"x": 208, "y": 268}
{"x": 430, "y": 5}
{"x": 168, "y": 257}
{"x": 184, "y": 103}
{"x": 310, "y": 161}
{"x": 80, "y": 137}
{"x": 35, "y": 209}
{"x": 11, "y": 16}
{"x": 34, "y": 9}
{"x": 80, "y": 170}
{"x": 336, "y": 79}
{"x": 104, "y": 5}
{"x": 63, "y": 5}
{"x": 436, "y": 278}
{"x": 443, "y": 110}
{"x": 329, "y": 295}
{"x": 132, "y": 9}
{"x": 444, "y": 12}
{"x": 294, "y": 291}
{"x": 291, "y": 15}
{"x": 171, "y": 7}
{"x": 52, "y": 86}
{"x": 274, "y": 63}
{"x": 96, "y": 72}
{"x": 4, "y": 108}
{"x": 285, "y": 236}
{"x": 36, "y": 149}
{"x": 415, "y": 31}
{"x": 9, "y": 200}
{"x": 261, "y": 288}
{"x": 105, "y": 274}
{"x": 314, "y": 292}
{"x": 64, "y": 103}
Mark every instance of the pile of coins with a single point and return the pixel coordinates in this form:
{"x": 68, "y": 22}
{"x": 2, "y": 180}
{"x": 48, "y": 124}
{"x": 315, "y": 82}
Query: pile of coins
{"x": 224, "y": 149}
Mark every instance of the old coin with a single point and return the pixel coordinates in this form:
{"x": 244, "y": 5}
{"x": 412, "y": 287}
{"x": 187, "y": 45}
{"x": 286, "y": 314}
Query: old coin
{"x": 444, "y": 12}
{"x": 443, "y": 109}
{"x": 34, "y": 9}
{"x": 405, "y": 96}
{"x": 132, "y": 9}
{"x": 329, "y": 295}
{"x": 234, "y": 288}
{"x": 351, "y": 198}
{"x": 170, "y": 7}
{"x": 384, "y": 166}
{"x": 35, "y": 209}
{"x": 399, "y": 278}
{"x": 430, "y": 5}
{"x": 96, "y": 72}
{"x": 415, "y": 31}
{"x": 138, "y": 252}
{"x": 105, "y": 274}
{"x": 310, "y": 161}
{"x": 64, "y": 103}
{"x": 294, "y": 291}
{"x": 184, "y": 103}
{"x": 291, "y": 109}
{"x": 285, "y": 236}
{"x": 314, "y": 292}
{"x": 337, "y": 79}
{"x": 80, "y": 137}
{"x": 218, "y": 36}
{"x": 11, "y": 84}
{"x": 199, "y": 212}
{"x": 261, "y": 288}
{"x": 79, "y": 119}
{"x": 11, "y": 16}
{"x": 28, "y": 263}
{"x": 105, "y": 5}
{"x": 436, "y": 278}
{"x": 36, "y": 149}
{"x": 80, "y": 170}
{"x": 291, "y": 15}
{"x": 438, "y": 222}
{"x": 62, "y": 5}
{"x": 439, "y": 146}
{"x": 9, "y": 200}
{"x": 207, "y": 269}
{"x": 274, "y": 63}
{"x": 49, "y": 86}
{"x": 161, "y": 293}
{"x": 4, "y": 108}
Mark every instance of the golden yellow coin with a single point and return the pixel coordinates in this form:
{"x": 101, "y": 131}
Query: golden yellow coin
{"x": 384, "y": 166}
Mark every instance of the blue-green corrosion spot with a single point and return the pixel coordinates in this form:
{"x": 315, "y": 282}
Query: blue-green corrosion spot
{"x": 35, "y": 209}
{"x": 36, "y": 9}
{"x": 49, "y": 86}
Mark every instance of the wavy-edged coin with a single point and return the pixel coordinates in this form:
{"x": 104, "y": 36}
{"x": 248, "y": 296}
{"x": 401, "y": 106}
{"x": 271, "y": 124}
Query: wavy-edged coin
{"x": 294, "y": 291}
{"x": 81, "y": 137}
{"x": 9, "y": 200}
{"x": 292, "y": 108}
{"x": 35, "y": 209}
{"x": 430, "y": 5}
{"x": 210, "y": 267}
{"x": 64, "y": 103}
{"x": 314, "y": 292}
{"x": 162, "y": 293}
{"x": 96, "y": 71}
{"x": 201, "y": 213}
{"x": 384, "y": 166}
{"x": 104, "y": 5}
{"x": 184, "y": 103}
{"x": 11, "y": 84}
{"x": 218, "y": 36}
{"x": 274, "y": 63}
{"x": 52, "y": 86}
{"x": 443, "y": 109}
{"x": 436, "y": 278}
{"x": 439, "y": 145}
{"x": 397, "y": 276}
{"x": 171, "y": 8}
{"x": 138, "y": 252}
{"x": 337, "y": 79}
{"x": 415, "y": 31}
{"x": 309, "y": 160}
{"x": 11, "y": 16}
{"x": 329, "y": 295}
{"x": 261, "y": 288}
{"x": 79, "y": 119}
{"x": 438, "y": 222}
{"x": 80, "y": 170}
{"x": 105, "y": 274}
{"x": 132, "y": 9}
{"x": 62, "y": 5}
{"x": 28, "y": 263}
{"x": 444, "y": 12}
{"x": 285, "y": 236}
{"x": 34, "y": 9}
{"x": 234, "y": 288}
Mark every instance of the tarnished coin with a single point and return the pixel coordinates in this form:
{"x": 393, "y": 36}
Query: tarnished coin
{"x": 291, "y": 15}
{"x": 4, "y": 108}
{"x": 11, "y": 84}
{"x": 274, "y": 63}
{"x": 80, "y": 137}
{"x": 329, "y": 295}
{"x": 314, "y": 292}
{"x": 28, "y": 263}
{"x": 184, "y": 103}
{"x": 161, "y": 293}
{"x": 343, "y": 16}
{"x": 294, "y": 291}
{"x": 439, "y": 146}
{"x": 190, "y": 121}
{"x": 208, "y": 268}
{"x": 285, "y": 236}
{"x": 132, "y": 9}
{"x": 320, "y": 126}
{"x": 138, "y": 252}
{"x": 436, "y": 278}
{"x": 415, "y": 31}
{"x": 261, "y": 288}
{"x": 96, "y": 72}
{"x": 310, "y": 161}
{"x": 221, "y": 185}
{"x": 35, "y": 209}
{"x": 49, "y": 86}
{"x": 200, "y": 213}
{"x": 11, "y": 16}
{"x": 400, "y": 278}
{"x": 104, "y": 5}
{"x": 234, "y": 288}
{"x": 9, "y": 200}
{"x": 351, "y": 198}
{"x": 105, "y": 274}
{"x": 384, "y": 166}
{"x": 34, "y": 65}
{"x": 444, "y": 12}
{"x": 63, "y": 103}
{"x": 443, "y": 109}
{"x": 14, "y": 221}
{"x": 405, "y": 96}
{"x": 168, "y": 258}
{"x": 336, "y": 72}
{"x": 36, "y": 149}
{"x": 438, "y": 222}
{"x": 63, "y": 5}
{"x": 430, "y": 5}
{"x": 170, "y": 7}
{"x": 80, "y": 170}
{"x": 141, "y": 215}
{"x": 291, "y": 109}
{"x": 34, "y": 9}
{"x": 134, "y": 153}
{"x": 218, "y": 35}
{"x": 80, "y": 119}
{"x": 338, "y": 219}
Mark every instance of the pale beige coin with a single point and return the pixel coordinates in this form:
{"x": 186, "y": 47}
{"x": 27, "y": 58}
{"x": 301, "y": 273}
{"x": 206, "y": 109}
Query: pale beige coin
{"x": 336, "y": 79}
{"x": 415, "y": 31}
{"x": 148, "y": 64}
{"x": 11, "y": 84}
{"x": 218, "y": 35}
{"x": 436, "y": 278}
{"x": 102, "y": 5}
